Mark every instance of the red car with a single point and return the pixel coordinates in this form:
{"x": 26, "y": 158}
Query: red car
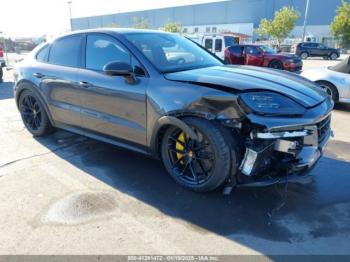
{"x": 261, "y": 55}
{"x": 2, "y": 63}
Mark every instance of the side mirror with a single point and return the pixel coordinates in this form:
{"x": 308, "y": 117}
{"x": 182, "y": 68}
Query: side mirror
{"x": 118, "y": 69}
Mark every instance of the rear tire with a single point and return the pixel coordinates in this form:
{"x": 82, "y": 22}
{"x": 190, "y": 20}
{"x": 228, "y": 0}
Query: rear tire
{"x": 304, "y": 55}
{"x": 200, "y": 166}
{"x": 333, "y": 56}
{"x": 1, "y": 74}
{"x": 330, "y": 89}
{"x": 33, "y": 114}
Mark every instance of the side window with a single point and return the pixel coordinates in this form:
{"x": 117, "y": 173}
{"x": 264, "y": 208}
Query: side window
{"x": 252, "y": 50}
{"x": 218, "y": 45}
{"x": 103, "y": 49}
{"x": 236, "y": 50}
{"x": 66, "y": 51}
{"x": 208, "y": 44}
{"x": 43, "y": 54}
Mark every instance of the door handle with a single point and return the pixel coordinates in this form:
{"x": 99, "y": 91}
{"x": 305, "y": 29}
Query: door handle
{"x": 38, "y": 75}
{"x": 85, "y": 84}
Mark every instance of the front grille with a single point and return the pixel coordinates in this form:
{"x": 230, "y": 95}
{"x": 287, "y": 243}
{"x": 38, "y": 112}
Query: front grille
{"x": 323, "y": 129}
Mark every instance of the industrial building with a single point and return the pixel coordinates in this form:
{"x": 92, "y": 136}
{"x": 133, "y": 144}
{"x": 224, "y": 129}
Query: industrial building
{"x": 237, "y": 16}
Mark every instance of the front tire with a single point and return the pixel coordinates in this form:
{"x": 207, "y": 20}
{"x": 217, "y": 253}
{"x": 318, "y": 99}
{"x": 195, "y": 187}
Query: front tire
{"x": 276, "y": 65}
{"x": 202, "y": 165}
{"x": 1, "y": 74}
{"x": 304, "y": 55}
{"x": 33, "y": 114}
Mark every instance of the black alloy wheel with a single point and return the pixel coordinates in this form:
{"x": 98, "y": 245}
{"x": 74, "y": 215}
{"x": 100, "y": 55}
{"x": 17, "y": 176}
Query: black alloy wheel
{"x": 201, "y": 165}
{"x": 33, "y": 114}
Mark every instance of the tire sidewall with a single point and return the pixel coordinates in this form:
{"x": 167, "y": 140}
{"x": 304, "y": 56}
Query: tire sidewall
{"x": 304, "y": 57}
{"x": 220, "y": 149}
{"x": 278, "y": 63}
{"x": 332, "y": 88}
{"x": 333, "y": 56}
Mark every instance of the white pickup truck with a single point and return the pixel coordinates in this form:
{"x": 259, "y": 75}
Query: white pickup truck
{"x": 216, "y": 43}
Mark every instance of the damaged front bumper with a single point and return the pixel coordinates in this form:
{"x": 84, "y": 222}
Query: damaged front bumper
{"x": 284, "y": 155}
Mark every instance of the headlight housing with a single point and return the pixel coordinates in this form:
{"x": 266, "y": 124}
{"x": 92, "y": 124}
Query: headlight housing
{"x": 268, "y": 103}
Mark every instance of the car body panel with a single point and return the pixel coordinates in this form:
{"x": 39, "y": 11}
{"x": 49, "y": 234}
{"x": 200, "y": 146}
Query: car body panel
{"x": 237, "y": 78}
{"x": 113, "y": 107}
{"x": 340, "y": 80}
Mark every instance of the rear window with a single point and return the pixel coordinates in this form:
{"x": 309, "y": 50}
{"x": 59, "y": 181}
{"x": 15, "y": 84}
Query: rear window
{"x": 218, "y": 45}
{"x": 66, "y": 51}
{"x": 208, "y": 44}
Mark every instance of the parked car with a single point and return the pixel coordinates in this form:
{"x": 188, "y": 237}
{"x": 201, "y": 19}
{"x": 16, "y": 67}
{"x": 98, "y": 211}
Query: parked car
{"x": 2, "y": 63}
{"x": 216, "y": 43}
{"x": 334, "y": 79}
{"x": 210, "y": 124}
{"x": 262, "y": 55}
{"x": 305, "y": 50}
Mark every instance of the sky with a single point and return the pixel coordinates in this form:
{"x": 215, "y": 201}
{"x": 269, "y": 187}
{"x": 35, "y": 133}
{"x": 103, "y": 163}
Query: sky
{"x": 31, "y": 18}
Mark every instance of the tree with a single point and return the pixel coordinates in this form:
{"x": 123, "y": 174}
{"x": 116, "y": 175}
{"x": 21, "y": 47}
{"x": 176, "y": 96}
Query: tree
{"x": 172, "y": 27}
{"x": 140, "y": 23}
{"x": 340, "y": 26}
{"x": 281, "y": 25}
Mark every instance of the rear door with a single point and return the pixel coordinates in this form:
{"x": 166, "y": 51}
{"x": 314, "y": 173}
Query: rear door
{"x": 112, "y": 106}
{"x": 314, "y": 51}
{"x": 59, "y": 79}
{"x": 219, "y": 46}
{"x": 322, "y": 50}
{"x": 208, "y": 43}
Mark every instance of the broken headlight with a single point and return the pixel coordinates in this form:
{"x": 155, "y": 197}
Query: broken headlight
{"x": 270, "y": 104}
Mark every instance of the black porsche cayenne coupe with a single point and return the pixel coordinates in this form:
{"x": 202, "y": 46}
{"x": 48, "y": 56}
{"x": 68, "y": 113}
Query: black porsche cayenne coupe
{"x": 164, "y": 95}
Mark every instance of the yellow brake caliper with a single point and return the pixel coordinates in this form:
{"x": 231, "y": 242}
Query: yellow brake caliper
{"x": 180, "y": 147}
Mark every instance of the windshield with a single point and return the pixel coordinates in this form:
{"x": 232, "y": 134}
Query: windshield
{"x": 267, "y": 50}
{"x": 172, "y": 53}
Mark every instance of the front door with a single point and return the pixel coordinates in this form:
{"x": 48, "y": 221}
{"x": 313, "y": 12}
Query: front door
{"x": 112, "y": 105}
{"x": 254, "y": 56}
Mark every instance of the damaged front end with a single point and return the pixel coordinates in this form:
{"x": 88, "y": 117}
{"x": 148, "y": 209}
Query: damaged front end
{"x": 283, "y": 155}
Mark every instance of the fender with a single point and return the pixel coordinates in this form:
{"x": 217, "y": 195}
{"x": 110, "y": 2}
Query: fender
{"x": 169, "y": 121}
{"x": 27, "y": 85}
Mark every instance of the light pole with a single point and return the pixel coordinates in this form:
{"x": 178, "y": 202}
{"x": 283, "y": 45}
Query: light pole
{"x": 70, "y": 14}
{"x": 305, "y": 18}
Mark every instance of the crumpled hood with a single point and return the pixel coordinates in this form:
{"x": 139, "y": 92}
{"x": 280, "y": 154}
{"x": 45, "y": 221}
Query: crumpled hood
{"x": 245, "y": 78}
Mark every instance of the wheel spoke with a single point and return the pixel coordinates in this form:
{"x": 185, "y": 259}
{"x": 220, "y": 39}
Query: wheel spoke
{"x": 182, "y": 152}
{"x": 186, "y": 165}
{"x": 200, "y": 147}
{"x": 193, "y": 171}
{"x": 177, "y": 141}
{"x": 202, "y": 167}
{"x": 207, "y": 156}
